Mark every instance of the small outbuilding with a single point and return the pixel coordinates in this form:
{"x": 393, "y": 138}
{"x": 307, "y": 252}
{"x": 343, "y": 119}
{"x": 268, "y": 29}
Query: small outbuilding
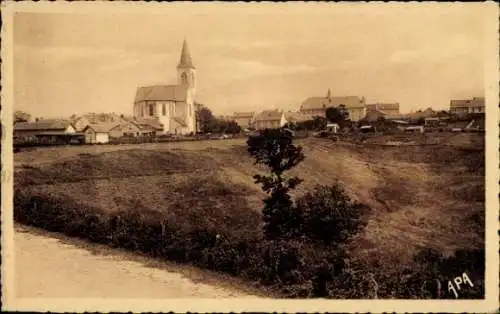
{"x": 98, "y": 133}
{"x": 415, "y": 129}
{"x": 332, "y": 127}
{"x": 367, "y": 129}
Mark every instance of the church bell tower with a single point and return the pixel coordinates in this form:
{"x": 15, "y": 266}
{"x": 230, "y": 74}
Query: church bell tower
{"x": 186, "y": 72}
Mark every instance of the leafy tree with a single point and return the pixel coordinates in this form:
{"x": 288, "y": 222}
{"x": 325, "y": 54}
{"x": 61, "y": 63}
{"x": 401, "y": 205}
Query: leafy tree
{"x": 319, "y": 123}
{"x": 337, "y": 114}
{"x": 207, "y": 123}
{"x": 273, "y": 148}
{"x": 21, "y": 116}
{"x": 204, "y": 119}
{"x": 231, "y": 127}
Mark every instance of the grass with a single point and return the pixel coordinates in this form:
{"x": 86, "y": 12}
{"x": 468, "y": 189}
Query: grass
{"x": 197, "y": 203}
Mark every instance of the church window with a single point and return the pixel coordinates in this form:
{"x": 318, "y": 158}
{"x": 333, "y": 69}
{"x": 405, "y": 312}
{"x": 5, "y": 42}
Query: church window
{"x": 164, "y": 109}
{"x": 184, "y": 78}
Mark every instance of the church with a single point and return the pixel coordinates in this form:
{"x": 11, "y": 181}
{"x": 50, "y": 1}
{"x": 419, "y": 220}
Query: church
{"x": 171, "y": 105}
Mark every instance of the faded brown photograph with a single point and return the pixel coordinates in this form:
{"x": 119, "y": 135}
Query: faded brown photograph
{"x": 284, "y": 152}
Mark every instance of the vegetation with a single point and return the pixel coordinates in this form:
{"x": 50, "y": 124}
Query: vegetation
{"x": 199, "y": 205}
{"x": 207, "y": 123}
{"x": 316, "y": 124}
{"x": 337, "y": 114}
{"x": 21, "y": 116}
{"x": 274, "y": 149}
{"x": 329, "y": 216}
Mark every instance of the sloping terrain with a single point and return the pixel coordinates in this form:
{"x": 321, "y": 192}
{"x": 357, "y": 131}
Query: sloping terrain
{"x": 422, "y": 196}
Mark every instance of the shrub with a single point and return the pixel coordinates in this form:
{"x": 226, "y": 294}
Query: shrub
{"x": 329, "y": 215}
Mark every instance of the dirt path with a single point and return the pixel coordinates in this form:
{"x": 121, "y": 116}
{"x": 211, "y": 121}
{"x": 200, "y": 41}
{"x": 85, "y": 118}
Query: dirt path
{"x": 49, "y": 265}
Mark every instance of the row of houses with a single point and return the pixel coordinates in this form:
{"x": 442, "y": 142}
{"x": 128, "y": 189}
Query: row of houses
{"x": 357, "y": 109}
{"x": 82, "y": 130}
{"x": 310, "y": 108}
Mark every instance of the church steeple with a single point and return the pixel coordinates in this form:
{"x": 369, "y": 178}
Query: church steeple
{"x": 185, "y": 61}
{"x": 329, "y": 94}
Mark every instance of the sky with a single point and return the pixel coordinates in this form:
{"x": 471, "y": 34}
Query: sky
{"x": 250, "y": 57}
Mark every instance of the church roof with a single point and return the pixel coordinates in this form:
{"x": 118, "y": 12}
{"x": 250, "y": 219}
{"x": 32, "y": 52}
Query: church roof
{"x": 185, "y": 61}
{"x": 161, "y": 92}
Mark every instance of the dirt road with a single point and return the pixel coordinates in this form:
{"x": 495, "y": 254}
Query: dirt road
{"x": 53, "y": 266}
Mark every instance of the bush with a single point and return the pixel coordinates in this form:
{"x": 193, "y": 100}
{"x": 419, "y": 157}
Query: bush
{"x": 329, "y": 215}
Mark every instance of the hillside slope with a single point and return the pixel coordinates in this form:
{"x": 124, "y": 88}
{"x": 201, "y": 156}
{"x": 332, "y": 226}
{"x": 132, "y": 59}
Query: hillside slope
{"x": 423, "y": 196}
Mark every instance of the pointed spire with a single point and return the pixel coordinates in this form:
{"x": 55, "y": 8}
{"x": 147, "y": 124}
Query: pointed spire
{"x": 329, "y": 94}
{"x": 185, "y": 61}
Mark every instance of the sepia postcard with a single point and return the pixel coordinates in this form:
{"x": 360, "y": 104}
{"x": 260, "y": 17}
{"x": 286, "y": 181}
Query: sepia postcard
{"x": 250, "y": 157}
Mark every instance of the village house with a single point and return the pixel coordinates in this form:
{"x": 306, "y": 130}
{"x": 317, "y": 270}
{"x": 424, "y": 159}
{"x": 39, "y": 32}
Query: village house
{"x": 317, "y": 106}
{"x": 391, "y": 109}
{"x": 98, "y": 133}
{"x": 467, "y": 106}
{"x": 80, "y": 123}
{"x": 124, "y": 128}
{"x": 270, "y": 119}
{"x": 225, "y": 118}
{"x": 332, "y": 127}
{"x": 422, "y": 114}
{"x": 172, "y": 105}
{"x": 296, "y": 117}
{"x": 373, "y": 115}
{"x": 145, "y": 126}
{"x": 44, "y": 131}
{"x": 244, "y": 119}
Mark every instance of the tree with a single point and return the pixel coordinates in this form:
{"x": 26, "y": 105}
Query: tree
{"x": 204, "y": 119}
{"x": 273, "y": 148}
{"x": 319, "y": 123}
{"x": 232, "y": 127}
{"x": 21, "y": 116}
{"x": 337, "y": 114}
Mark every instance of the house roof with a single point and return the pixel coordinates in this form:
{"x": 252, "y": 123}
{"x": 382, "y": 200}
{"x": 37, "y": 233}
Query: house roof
{"x": 244, "y": 114}
{"x": 48, "y": 124}
{"x": 325, "y": 102}
{"x": 185, "y": 60}
{"x": 397, "y": 117}
{"x": 429, "y": 112}
{"x": 458, "y": 103}
{"x": 104, "y": 127}
{"x": 368, "y": 111}
{"x": 161, "y": 92}
{"x": 383, "y": 106}
{"x": 474, "y": 102}
{"x": 269, "y": 115}
{"x": 298, "y": 116}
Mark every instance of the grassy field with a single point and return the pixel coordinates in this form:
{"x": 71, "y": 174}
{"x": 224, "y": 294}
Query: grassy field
{"x": 423, "y": 197}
